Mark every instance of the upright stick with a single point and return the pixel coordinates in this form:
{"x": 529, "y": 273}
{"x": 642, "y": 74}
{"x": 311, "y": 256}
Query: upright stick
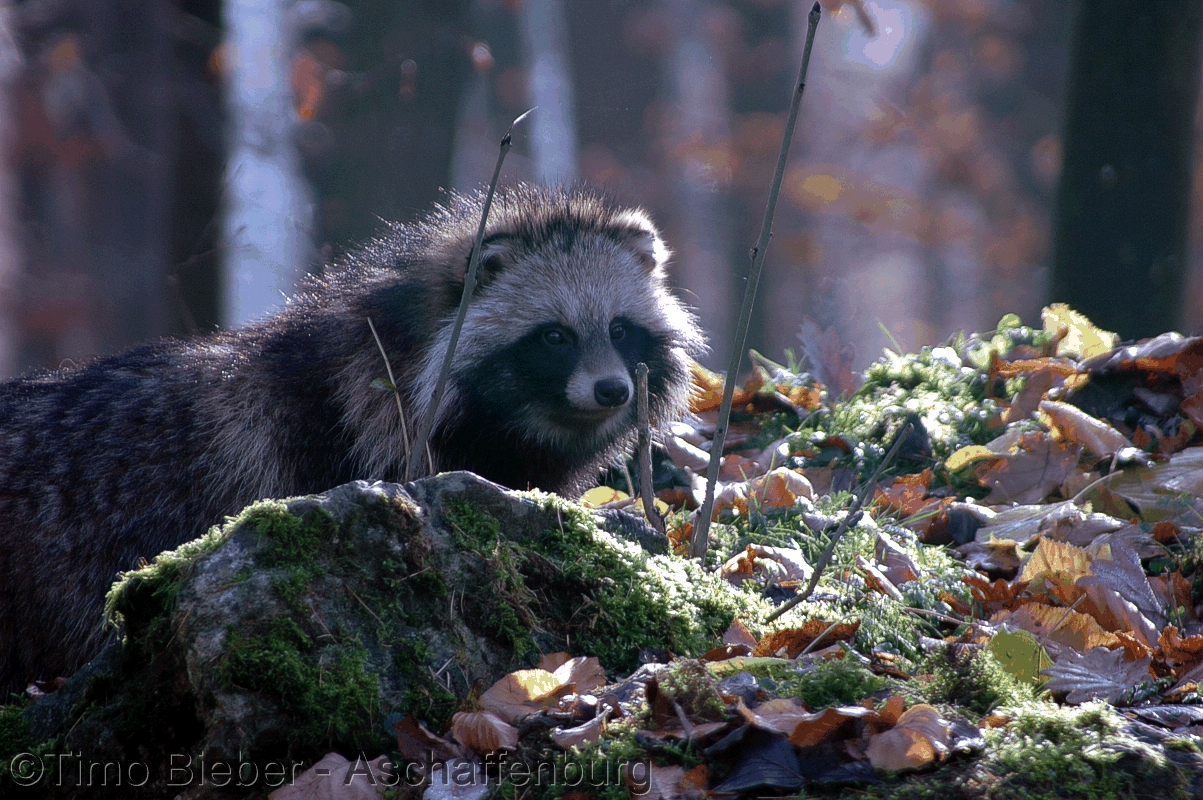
{"x": 701, "y": 535}
{"x": 432, "y": 411}
{"x": 646, "y": 490}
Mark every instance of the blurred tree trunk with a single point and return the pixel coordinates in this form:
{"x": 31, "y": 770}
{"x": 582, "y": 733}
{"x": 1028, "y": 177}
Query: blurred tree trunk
{"x": 10, "y": 236}
{"x": 268, "y": 202}
{"x": 545, "y": 39}
{"x": 701, "y": 121}
{"x": 1120, "y": 223}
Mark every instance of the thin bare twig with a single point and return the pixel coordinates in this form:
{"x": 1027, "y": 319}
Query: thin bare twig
{"x": 701, "y": 535}
{"x": 645, "y": 449}
{"x": 392, "y": 385}
{"x": 411, "y": 467}
{"x": 853, "y": 517}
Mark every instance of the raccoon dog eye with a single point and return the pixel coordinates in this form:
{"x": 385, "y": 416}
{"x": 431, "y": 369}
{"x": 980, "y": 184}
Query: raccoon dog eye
{"x": 555, "y": 337}
{"x": 617, "y": 331}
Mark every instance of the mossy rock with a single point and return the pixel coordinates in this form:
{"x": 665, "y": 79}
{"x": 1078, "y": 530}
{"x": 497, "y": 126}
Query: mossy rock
{"x": 304, "y": 626}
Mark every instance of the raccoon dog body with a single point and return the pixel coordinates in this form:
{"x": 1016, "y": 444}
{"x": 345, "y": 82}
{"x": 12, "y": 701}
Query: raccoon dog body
{"x": 137, "y": 453}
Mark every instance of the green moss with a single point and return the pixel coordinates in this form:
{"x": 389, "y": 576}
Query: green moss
{"x": 1053, "y": 753}
{"x": 595, "y": 769}
{"x": 841, "y": 681}
{"x": 472, "y": 528}
{"x": 634, "y": 600}
{"x": 326, "y": 690}
{"x": 16, "y": 739}
{"x": 973, "y": 680}
{"x": 690, "y": 685}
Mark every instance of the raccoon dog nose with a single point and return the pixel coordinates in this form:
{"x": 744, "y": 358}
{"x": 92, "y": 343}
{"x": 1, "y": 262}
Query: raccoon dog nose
{"x": 611, "y": 392}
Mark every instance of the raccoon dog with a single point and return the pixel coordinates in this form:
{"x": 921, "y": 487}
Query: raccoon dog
{"x": 137, "y": 453}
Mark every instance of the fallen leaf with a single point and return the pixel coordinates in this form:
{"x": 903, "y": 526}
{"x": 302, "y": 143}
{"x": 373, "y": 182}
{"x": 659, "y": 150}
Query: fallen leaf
{"x": 584, "y": 673}
{"x": 1020, "y": 655}
{"x": 896, "y": 563}
{"x": 1059, "y": 560}
{"x": 1075, "y": 426}
{"x": 819, "y": 726}
{"x": 1061, "y": 626}
{"x": 738, "y": 634}
{"x": 483, "y": 731}
{"x": 1123, "y": 573}
{"x": 1156, "y": 491}
{"x": 580, "y": 735}
{"x": 336, "y": 778}
{"x": 416, "y": 743}
{"x": 663, "y": 783}
{"x": 794, "y": 640}
{"x": 600, "y": 496}
{"x": 521, "y": 693}
{"x": 1034, "y": 468}
{"x": 920, "y": 738}
{"x": 966, "y": 456}
{"x": 1034, "y": 390}
{"x": 1082, "y": 338}
{"x": 780, "y": 488}
{"x": 763, "y": 760}
{"x": 1098, "y": 674}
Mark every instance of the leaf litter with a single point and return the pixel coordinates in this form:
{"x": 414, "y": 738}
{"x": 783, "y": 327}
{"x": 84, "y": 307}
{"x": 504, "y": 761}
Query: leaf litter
{"x": 1022, "y": 585}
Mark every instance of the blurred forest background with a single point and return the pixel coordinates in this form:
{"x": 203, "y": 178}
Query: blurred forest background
{"x": 172, "y": 167}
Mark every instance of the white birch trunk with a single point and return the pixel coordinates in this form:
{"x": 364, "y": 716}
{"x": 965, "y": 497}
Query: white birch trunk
{"x": 268, "y": 212}
{"x": 545, "y": 39}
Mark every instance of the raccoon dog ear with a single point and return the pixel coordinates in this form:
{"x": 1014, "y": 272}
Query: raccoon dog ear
{"x": 494, "y": 257}
{"x": 641, "y": 235}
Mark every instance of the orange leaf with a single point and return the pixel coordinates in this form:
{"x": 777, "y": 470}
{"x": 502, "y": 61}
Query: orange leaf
{"x": 794, "y": 640}
{"x": 483, "y": 732}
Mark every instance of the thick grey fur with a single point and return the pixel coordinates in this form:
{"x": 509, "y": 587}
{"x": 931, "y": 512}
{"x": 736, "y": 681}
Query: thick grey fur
{"x": 133, "y": 454}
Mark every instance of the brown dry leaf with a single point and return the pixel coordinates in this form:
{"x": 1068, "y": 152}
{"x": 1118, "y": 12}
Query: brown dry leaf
{"x": 999, "y": 557}
{"x": 1061, "y": 626}
{"x": 806, "y": 397}
{"x": 581, "y": 735}
{"x": 1098, "y": 674}
{"x": 896, "y": 563}
{"x": 1192, "y": 407}
{"x": 730, "y": 496}
{"x": 1056, "y": 560}
{"x": 584, "y": 673}
{"x": 794, "y": 640}
{"x": 770, "y": 565}
{"x": 521, "y": 693}
{"x": 821, "y": 725}
{"x": 550, "y": 662}
{"x": 1154, "y": 490}
{"x": 889, "y": 714}
{"x": 663, "y": 783}
{"x": 1075, "y": 426}
{"x": 418, "y": 744}
{"x": 907, "y": 494}
{"x": 483, "y": 731}
{"x": 336, "y": 778}
{"x": 830, "y": 359}
{"x": 877, "y": 580}
{"x": 1036, "y": 466}
{"x": 920, "y": 738}
{"x": 1123, "y": 573}
{"x": 997, "y": 596}
{"x": 736, "y": 467}
{"x": 1034, "y": 390}
{"x": 738, "y": 634}
{"x": 781, "y": 714}
{"x": 708, "y": 389}
{"x": 1118, "y": 614}
{"x": 1169, "y": 353}
{"x": 780, "y": 488}
{"x": 1182, "y": 655}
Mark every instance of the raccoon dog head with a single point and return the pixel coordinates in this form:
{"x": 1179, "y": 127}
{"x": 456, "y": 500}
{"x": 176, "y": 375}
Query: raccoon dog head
{"x": 571, "y": 295}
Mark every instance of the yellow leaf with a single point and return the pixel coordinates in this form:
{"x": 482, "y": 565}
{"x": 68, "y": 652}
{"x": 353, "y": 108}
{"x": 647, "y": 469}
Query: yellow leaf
{"x": 1059, "y": 559}
{"x": 1082, "y": 338}
{"x": 1075, "y": 425}
{"x": 599, "y": 496}
{"x": 966, "y": 456}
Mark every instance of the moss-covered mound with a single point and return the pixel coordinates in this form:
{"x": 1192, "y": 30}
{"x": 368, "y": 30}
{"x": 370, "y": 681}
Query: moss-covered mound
{"x": 303, "y": 626}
